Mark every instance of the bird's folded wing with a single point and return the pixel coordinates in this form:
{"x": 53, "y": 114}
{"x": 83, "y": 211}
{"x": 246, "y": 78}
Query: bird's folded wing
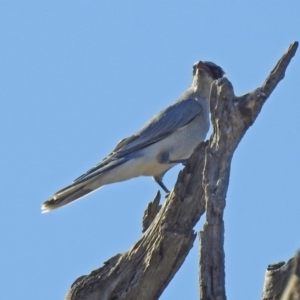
{"x": 160, "y": 126}
{"x": 163, "y": 124}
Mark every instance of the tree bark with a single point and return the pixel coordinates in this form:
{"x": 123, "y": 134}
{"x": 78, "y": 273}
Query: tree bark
{"x": 231, "y": 117}
{"x": 282, "y": 280}
{"x": 144, "y": 271}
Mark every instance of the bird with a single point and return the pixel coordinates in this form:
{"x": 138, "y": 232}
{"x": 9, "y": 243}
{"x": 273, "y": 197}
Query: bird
{"x": 167, "y": 139}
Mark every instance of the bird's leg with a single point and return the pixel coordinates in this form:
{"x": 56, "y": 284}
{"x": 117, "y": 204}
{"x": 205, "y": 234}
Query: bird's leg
{"x": 158, "y": 179}
{"x": 179, "y": 161}
{"x": 163, "y": 158}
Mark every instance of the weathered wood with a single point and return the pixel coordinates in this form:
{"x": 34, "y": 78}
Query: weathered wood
{"x": 282, "y": 280}
{"x": 151, "y": 212}
{"x": 145, "y": 270}
{"x": 231, "y": 117}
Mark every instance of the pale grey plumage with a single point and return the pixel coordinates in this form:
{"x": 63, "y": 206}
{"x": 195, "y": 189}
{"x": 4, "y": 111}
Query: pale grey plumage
{"x": 167, "y": 139}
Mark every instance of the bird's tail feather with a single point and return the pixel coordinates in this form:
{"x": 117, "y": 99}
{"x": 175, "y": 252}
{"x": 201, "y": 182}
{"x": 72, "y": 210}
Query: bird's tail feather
{"x": 87, "y": 183}
{"x": 66, "y": 196}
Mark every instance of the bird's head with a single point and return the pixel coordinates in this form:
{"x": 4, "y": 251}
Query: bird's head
{"x": 204, "y": 73}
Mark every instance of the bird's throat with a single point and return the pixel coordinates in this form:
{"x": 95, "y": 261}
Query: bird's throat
{"x": 201, "y": 86}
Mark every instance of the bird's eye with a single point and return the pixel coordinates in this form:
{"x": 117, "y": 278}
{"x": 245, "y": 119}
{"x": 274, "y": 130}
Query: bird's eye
{"x": 217, "y": 73}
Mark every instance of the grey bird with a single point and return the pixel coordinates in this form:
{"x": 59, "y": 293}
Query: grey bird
{"x": 169, "y": 138}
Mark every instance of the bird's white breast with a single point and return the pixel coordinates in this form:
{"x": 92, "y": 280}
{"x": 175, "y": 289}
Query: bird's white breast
{"x": 179, "y": 145}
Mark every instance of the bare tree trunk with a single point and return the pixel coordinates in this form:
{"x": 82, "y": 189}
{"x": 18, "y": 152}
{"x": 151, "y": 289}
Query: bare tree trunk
{"x": 144, "y": 271}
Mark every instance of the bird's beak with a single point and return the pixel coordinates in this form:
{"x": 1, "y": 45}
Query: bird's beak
{"x": 201, "y": 66}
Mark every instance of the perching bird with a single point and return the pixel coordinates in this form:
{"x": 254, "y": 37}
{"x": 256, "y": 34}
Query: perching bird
{"x": 169, "y": 138}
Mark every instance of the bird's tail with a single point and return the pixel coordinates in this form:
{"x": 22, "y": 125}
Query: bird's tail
{"x": 67, "y": 195}
{"x": 92, "y": 180}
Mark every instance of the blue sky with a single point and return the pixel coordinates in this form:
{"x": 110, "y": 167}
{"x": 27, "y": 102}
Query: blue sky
{"x": 76, "y": 77}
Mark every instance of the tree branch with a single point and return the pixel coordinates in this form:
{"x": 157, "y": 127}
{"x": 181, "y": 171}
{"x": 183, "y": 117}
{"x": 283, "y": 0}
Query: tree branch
{"x": 145, "y": 270}
{"x": 282, "y": 280}
{"x": 231, "y": 117}
{"x": 151, "y": 211}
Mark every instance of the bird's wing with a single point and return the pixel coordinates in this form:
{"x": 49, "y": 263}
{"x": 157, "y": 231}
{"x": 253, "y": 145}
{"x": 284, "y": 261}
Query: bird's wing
{"x": 160, "y": 126}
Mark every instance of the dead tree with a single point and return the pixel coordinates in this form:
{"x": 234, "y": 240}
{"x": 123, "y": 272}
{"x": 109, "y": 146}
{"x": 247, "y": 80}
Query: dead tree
{"x": 144, "y": 271}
